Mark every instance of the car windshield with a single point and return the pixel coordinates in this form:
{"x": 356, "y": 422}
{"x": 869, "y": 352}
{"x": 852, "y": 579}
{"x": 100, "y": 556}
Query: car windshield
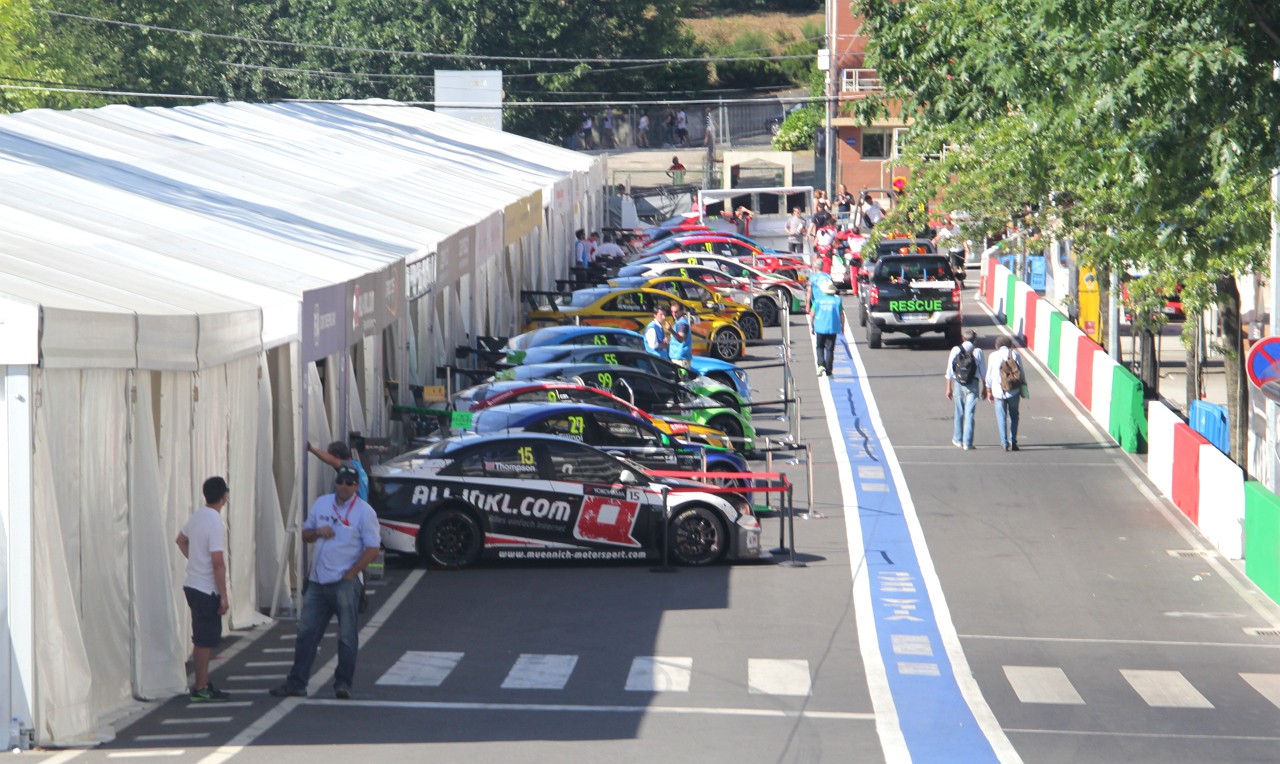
{"x": 492, "y": 420}
{"x": 908, "y": 269}
{"x": 584, "y": 297}
{"x": 915, "y": 247}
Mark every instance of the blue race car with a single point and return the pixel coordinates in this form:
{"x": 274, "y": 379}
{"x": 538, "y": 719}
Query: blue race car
{"x": 518, "y": 350}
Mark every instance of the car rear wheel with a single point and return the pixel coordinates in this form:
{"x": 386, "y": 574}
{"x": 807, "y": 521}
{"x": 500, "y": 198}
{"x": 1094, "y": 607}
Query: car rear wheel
{"x": 750, "y": 326}
{"x": 873, "y": 336}
{"x": 862, "y": 316}
{"x": 729, "y": 426}
{"x": 696, "y": 536}
{"x": 788, "y": 273}
{"x": 451, "y": 538}
{"x": 726, "y": 345}
{"x": 767, "y": 309}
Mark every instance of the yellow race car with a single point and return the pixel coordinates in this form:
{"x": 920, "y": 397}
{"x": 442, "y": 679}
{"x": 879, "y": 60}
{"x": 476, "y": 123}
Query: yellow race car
{"x": 691, "y": 291}
{"x": 632, "y": 309}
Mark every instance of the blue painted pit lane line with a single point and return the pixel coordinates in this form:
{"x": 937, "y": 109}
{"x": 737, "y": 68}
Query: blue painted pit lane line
{"x": 927, "y": 704}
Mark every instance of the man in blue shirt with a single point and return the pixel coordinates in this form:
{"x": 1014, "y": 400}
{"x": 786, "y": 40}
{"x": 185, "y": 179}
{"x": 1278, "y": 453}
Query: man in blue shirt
{"x": 339, "y": 455}
{"x": 655, "y": 334}
{"x": 345, "y": 532}
{"x": 828, "y": 321}
{"x": 680, "y": 343}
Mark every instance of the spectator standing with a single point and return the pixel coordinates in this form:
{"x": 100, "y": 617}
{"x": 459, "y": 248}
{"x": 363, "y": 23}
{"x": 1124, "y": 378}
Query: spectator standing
{"x": 344, "y": 530}
{"x": 709, "y": 131}
{"x": 609, "y": 248}
{"x": 585, "y": 131}
{"x": 872, "y": 212}
{"x": 655, "y": 334}
{"x": 676, "y": 172}
{"x": 682, "y": 128}
{"x": 680, "y": 341}
{"x": 828, "y": 321}
{"x": 642, "y": 131}
{"x": 1006, "y": 385}
{"x": 796, "y": 225}
{"x": 844, "y": 206}
{"x": 964, "y": 375}
{"x": 203, "y": 541}
{"x": 669, "y": 129}
{"x": 338, "y": 454}
{"x": 606, "y": 130}
{"x": 581, "y": 250}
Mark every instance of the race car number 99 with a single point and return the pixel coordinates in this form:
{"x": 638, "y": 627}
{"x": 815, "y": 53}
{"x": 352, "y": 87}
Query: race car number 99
{"x": 605, "y": 379}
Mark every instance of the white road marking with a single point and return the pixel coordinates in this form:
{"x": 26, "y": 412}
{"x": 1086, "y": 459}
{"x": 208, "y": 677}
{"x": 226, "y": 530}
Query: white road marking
{"x": 294, "y": 635}
{"x": 1165, "y": 689}
{"x": 660, "y": 674}
{"x": 911, "y": 668}
{"x": 772, "y": 676}
{"x": 1268, "y": 685}
{"x": 1087, "y": 640}
{"x": 277, "y": 649}
{"x": 270, "y": 718}
{"x": 228, "y": 704}
{"x": 198, "y": 719}
{"x": 252, "y": 677}
{"x": 1159, "y": 735}
{"x": 888, "y": 727}
{"x": 1042, "y": 684}
{"x": 641, "y": 710}
{"x": 911, "y": 644}
{"x": 177, "y": 736}
{"x": 532, "y": 671}
{"x": 420, "y": 668}
{"x": 263, "y": 664}
{"x": 145, "y": 754}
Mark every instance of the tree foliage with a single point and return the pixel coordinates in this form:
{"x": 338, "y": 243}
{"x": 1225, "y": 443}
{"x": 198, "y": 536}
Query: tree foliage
{"x": 1144, "y": 130}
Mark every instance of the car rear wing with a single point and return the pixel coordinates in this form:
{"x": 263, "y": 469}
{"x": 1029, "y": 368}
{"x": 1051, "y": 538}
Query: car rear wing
{"x": 541, "y": 300}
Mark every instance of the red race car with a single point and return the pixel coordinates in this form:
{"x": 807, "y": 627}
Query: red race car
{"x": 784, "y": 265}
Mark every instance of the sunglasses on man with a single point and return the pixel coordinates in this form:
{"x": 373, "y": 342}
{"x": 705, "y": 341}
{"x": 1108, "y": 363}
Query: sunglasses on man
{"x": 348, "y": 481}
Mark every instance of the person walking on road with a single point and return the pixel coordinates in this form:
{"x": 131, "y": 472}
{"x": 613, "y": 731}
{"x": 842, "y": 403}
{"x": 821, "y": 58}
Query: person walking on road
{"x": 965, "y": 373}
{"x": 203, "y": 541}
{"x": 680, "y": 340}
{"x": 1006, "y": 386}
{"x": 642, "y": 132}
{"x": 828, "y": 322}
{"x": 345, "y": 531}
{"x": 655, "y": 334}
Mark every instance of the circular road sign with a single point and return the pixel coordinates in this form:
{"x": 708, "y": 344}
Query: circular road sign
{"x": 1264, "y": 361}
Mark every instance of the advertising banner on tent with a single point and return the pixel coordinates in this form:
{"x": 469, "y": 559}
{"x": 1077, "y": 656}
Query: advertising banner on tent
{"x": 374, "y": 300}
{"x": 456, "y": 256}
{"x": 420, "y": 277}
{"x": 324, "y": 325}
{"x": 488, "y": 239}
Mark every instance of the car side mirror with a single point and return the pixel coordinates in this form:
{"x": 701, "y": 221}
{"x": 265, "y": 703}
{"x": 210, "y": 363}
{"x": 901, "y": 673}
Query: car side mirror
{"x": 628, "y": 478}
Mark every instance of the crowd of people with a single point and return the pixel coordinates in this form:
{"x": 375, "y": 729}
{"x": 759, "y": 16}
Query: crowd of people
{"x": 671, "y": 128}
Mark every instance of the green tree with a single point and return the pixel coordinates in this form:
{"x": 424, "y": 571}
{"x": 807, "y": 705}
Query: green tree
{"x": 1144, "y": 131}
{"x": 35, "y": 54}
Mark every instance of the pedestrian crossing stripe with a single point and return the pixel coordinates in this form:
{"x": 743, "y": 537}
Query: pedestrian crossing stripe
{"x": 1032, "y": 685}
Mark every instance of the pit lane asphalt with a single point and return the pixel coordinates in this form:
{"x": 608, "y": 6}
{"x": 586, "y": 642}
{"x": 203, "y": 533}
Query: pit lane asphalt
{"x": 1054, "y": 557}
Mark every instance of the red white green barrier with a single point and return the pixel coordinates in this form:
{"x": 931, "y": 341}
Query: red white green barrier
{"x": 1236, "y": 515}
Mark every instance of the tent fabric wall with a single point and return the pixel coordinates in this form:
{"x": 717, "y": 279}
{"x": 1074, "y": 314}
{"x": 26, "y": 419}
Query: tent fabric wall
{"x": 158, "y": 652}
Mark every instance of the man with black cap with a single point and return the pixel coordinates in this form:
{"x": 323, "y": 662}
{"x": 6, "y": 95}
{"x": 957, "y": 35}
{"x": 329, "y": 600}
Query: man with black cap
{"x": 344, "y": 529}
{"x": 203, "y": 541}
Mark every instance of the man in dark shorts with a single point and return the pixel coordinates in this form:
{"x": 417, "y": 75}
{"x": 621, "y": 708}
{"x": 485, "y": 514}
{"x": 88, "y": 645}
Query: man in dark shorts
{"x": 203, "y": 541}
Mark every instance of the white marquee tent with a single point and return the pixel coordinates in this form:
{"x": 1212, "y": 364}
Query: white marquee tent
{"x": 157, "y": 272}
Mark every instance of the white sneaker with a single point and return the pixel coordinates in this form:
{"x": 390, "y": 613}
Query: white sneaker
{"x": 957, "y": 444}
{"x": 822, "y": 372}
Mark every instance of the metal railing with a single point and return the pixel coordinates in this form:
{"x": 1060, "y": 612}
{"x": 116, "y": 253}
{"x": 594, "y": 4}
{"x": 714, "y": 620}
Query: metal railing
{"x": 859, "y": 81}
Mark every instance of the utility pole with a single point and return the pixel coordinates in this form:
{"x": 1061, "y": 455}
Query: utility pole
{"x": 1273, "y": 308}
{"x": 833, "y": 81}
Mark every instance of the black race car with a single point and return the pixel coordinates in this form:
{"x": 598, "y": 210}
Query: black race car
{"x": 540, "y": 497}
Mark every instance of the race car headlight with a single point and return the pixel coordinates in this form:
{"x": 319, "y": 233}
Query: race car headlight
{"x": 741, "y": 376}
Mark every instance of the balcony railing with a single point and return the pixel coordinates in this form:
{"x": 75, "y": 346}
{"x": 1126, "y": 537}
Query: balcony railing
{"x": 859, "y": 81}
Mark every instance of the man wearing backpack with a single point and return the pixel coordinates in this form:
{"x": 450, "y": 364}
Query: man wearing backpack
{"x": 965, "y": 372}
{"x": 1006, "y": 384}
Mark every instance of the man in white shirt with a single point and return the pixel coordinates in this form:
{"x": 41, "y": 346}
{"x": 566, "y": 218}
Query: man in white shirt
{"x": 1006, "y": 401}
{"x": 965, "y": 372}
{"x": 682, "y": 128}
{"x": 203, "y": 541}
{"x": 609, "y": 248}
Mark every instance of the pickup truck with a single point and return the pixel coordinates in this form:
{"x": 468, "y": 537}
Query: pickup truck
{"x": 910, "y": 294}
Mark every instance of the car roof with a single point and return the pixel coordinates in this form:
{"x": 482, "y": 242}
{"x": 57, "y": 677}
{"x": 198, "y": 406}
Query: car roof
{"x": 531, "y": 408}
